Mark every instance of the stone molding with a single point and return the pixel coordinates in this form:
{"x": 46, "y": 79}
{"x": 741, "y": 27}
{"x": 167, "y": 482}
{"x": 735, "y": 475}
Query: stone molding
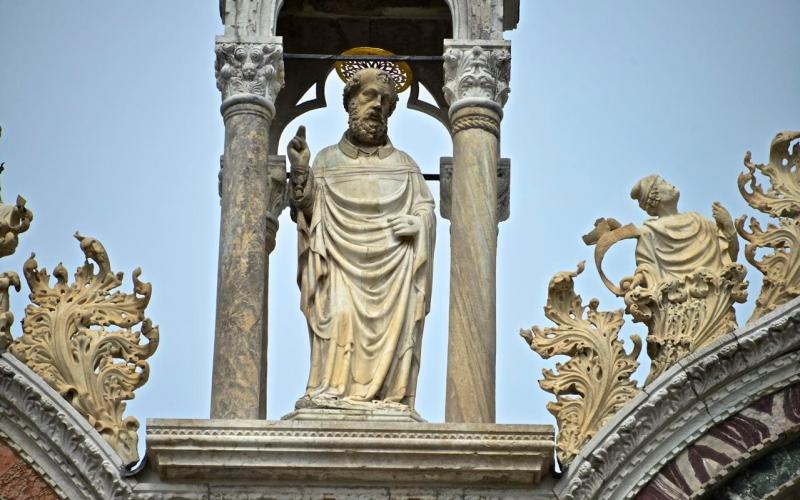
{"x": 730, "y": 447}
{"x": 161, "y": 492}
{"x": 351, "y": 454}
{"x": 55, "y": 439}
{"x": 477, "y": 73}
{"x": 683, "y": 404}
{"x": 249, "y": 71}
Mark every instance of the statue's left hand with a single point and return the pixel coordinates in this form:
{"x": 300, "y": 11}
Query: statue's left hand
{"x": 405, "y": 225}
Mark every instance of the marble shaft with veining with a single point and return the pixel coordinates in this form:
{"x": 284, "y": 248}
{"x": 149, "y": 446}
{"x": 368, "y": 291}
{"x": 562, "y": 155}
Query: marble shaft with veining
{"x": 473, "y": 237}
{"x": 240, "y": 362}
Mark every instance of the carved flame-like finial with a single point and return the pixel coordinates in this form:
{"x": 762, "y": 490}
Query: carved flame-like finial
{"x": 781, "y": 268}
{"x": 596, "y": 381}
{"x": 68, "y": 341}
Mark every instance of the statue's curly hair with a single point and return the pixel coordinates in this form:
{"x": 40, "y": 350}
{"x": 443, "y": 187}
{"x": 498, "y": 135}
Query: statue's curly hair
{"x": 354, "y": 84}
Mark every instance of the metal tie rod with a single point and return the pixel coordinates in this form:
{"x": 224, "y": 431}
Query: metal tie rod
{"x": 338, "y": 57}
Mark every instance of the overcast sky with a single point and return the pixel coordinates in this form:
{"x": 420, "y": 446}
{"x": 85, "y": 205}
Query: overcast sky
{"x": 111, "y": 126}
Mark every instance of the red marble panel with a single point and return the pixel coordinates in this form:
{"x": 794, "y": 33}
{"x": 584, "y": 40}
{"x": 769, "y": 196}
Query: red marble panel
{"x": 19, "y": 481}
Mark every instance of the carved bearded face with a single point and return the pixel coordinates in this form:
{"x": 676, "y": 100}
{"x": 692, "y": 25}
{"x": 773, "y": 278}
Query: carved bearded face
{"x": 370, "y": 98}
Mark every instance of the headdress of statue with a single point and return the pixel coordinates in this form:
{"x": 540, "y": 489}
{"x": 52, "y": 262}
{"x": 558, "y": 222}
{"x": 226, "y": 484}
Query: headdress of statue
{"x": 645, "y": 192}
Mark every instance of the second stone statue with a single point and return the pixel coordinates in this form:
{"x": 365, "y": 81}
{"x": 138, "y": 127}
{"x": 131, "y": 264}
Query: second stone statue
{"x": 366, "y": 232}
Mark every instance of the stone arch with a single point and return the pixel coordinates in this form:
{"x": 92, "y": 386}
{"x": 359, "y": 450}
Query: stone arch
{"x": 773, "y": 475}
{"x": 660, "y": 444}
{"x": 58, "y": 444}
{"x": 459, "y": 11}
{"x": 768, "y": 427}
{"x": 288, "y": 106}
{"x": 305, "y": 31}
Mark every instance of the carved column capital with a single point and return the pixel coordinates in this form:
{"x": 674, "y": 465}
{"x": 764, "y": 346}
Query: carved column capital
{"x": 477, "y": 73}
{"x": 249, "y": 71}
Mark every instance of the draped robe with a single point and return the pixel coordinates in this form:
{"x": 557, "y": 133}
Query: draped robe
{"x": 364, "y": 291}
{"x": 674, "y": 246}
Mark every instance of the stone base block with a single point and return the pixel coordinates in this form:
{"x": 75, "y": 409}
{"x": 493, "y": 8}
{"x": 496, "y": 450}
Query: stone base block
{"x": 349, "y": 454}
{"x": 316, "y": 415}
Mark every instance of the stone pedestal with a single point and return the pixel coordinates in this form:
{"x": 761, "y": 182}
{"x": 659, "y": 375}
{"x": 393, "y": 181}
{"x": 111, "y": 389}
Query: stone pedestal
{"x": 375, "y": 415}
{"x": 287, "y": 459}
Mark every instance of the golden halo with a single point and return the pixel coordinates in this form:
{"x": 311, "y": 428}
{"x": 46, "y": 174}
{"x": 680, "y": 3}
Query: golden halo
{"x": 400, "y": 72}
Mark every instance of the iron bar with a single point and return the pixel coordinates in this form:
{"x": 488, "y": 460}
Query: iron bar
{"x": 338, "y": 57}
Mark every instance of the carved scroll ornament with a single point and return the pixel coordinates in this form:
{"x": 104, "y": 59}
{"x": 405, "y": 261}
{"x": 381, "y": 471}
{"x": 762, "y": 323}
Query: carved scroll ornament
{"x": 781, "y": 267}
{"x": 249, "y": 69}
{"x": 67, "y": 341}
{"x": 596, "y": 381}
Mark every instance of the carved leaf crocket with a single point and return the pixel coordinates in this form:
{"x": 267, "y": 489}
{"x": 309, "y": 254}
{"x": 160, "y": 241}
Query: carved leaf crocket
{"x": 781, "y": 268}
{"x": 68, "y": 340}
{"x": 596, "y": 380}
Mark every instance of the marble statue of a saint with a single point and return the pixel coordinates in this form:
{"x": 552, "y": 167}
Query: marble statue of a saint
{"x": 366, "y": 232}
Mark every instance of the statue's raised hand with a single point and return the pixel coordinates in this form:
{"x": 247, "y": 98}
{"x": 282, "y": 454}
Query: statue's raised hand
{"x": 723, "y": 219}
{"x": 298, "y": 152}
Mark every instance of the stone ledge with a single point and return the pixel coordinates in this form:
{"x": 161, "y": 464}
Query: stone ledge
{"x": 349, "y": 453}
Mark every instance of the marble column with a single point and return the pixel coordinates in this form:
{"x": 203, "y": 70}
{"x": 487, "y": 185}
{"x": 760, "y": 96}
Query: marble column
{"x": 249, "y": 75}
{"x": 476, "y": 87}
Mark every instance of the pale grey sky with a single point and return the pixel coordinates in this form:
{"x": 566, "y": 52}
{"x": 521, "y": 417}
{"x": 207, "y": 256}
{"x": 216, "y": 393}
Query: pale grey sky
{"x": 111, "y": 126}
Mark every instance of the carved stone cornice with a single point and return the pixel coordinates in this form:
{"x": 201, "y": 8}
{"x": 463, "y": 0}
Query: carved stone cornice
{"x": 355, "y": 454}
{"x": 57, "y": 441}
{"x": 249, "y": 71}
{"x": 670, "y": 414}
{"x": 477, "y": 73}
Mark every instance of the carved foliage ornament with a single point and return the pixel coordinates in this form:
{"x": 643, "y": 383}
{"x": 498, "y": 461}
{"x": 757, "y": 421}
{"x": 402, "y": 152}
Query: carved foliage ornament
{"x": 67, "y": 341}
{"x": 477, "y": 72}
{"x": 781, "y": 268}
{"x": 249, "y": 69}
{"x": 683, "y": 315}
{"x": 14, "y": 220}
{"x": 596, "y": 381}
